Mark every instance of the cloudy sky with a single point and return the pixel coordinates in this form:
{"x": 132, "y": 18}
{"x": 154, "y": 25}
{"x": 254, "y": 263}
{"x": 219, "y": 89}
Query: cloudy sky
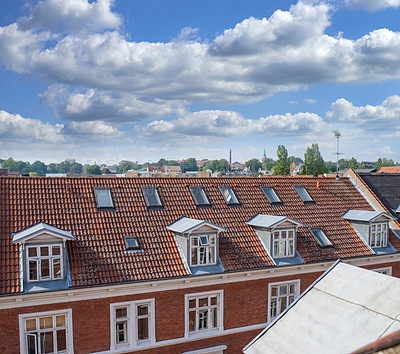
{"x": 104, "y": 80}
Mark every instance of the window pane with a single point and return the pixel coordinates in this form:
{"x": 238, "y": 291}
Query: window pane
{"x": 121, "y": 332}
{"x": 56, "y": 250}
{"x": 195, "y": 241}
{"x": 211, "y": 256}
{"x": 46, "y": 342}
{"x": 302, "y": 192}
{"x": 199, "y": 196}
{"x": 142, "y": 310}
{"x": 203, "y": 255}
{"x": 270, "y": 194}
{"x": 143, "y": 328}
{"x": 192, "y": 303}
{"x": 33, "y": 270}
{"x": 32, "y": 346}
{"x": 203, "y": 319}
{"x": 44, "y": 251}
{"x": 214, "y": 300}
{"x": 274, "y": 291}
{"x": 192, "y": 321}
{"x": 213, "y": 318}
{"x": 273, "y": 307}
{"x": 31, "y": 324}
{"x": 61, "y": 340}
{"x": 203, "y": 302}
{"x": 60, "y": 321}
{"x": 56, "y": 268}
{"x": 46, "y": 322}
{"x": 194, "y": 256}
{"x": 282, "y": 304}
{"x": 229, "y": 195}
{"x": 283, "y": 290}
{"x": 32, "y": 251}
{"x": 151, "y": 196}
{"x": 121, "y": 312}
{"x": 203, "y": 240}
{"x": 103, "y": 198}
{"x": 45, "y": 268}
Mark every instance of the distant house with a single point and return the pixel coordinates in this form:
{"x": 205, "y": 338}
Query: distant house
{"x": 172, "y": 169}
{"x": 201, "y": 163}
{"x": 390, "y": 169}
{"x": 296, "y": 168}
{"x": 237, "y": 166}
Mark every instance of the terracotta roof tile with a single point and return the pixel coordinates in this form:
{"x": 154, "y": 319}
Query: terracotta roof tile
{"x": 97, "y": 256}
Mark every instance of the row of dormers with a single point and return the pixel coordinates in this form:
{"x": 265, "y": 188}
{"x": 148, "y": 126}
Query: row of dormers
{"x": 104, "y": 199}
{"x": 43, "y": 253}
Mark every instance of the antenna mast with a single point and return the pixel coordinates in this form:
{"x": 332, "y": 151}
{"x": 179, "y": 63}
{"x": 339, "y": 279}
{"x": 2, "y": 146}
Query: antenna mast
{"x": 337, "y": 136}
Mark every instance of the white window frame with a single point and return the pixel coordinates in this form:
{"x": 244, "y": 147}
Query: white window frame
{"x": 385, "y": 270}
{"x": 38, "y": 259}
{"x": 382, "y": 235}
{"x": 282, "y": 241}
{"x": 295, "y": 282}
{"x": 23, "y": 333}
{"x": 132, "y": 329}
{"x": 206, "y": 247}
{"x": 220, "y": 313}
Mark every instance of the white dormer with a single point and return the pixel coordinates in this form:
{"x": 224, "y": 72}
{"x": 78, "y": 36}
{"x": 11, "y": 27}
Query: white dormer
{"x": 278, "y": 234}
{"x": 43, "y": 256}
{"x": 198, "y": 241}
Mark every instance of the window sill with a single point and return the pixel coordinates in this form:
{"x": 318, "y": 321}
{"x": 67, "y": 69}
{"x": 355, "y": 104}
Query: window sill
{"x": 203, "y": 334}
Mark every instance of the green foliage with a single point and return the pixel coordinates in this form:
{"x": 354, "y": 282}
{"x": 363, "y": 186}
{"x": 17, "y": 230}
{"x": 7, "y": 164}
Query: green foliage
{"x": 39, "y": 168}
{"x": 268, "y": 164}
{"x": 294, "y": 159}
{"x": 92, "y": 170}
{"x": 253, "y": 165}
{"x": 189, "y": 165}
{"x": 217, "y": 165}
{"x": 33, "y": 174}
{"x": 172, "y": 163}
{"x": 162, "y": 162}
{"x": 353, "y": 163}
{"x": 126, "y": 166}
{"x": 282, "y": 166}
{"x": 22, "y": 167}
{"x": 313, "y": 161}
{"x": 52, "y": 168}
{"x": 384, "y": 162}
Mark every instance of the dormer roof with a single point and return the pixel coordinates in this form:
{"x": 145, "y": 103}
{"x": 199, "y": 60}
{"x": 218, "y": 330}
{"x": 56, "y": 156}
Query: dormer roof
{"x": 40, "y": 228}
{"x": 186, "y": 225}
{"x": 365, "y": 215}
{"x": 271, "y": 221}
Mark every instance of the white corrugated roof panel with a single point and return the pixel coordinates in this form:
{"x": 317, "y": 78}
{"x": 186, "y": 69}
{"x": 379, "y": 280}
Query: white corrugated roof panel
{"x": 267, "y": 221}
{"x": 184, "y": 225}
{"x": 39, "y": 228}
{"x": 364, "y": 215}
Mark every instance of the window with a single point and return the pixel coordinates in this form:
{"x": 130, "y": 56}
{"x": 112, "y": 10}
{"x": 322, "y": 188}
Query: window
{"x": 378, "y": 235}
{"x": 321, "y": 238}
{"x": 132, "y": 324}
{"x": 151, "y": 197}
{"x": 131, "y": 243}
{"x": 203, "y": 312}
{"x": 103, "y": 197}
{"x": 281, "y": 295}
{"x": 44, "y": 262}
{"x": 229, "y": 195}
{"x": 303, "y": 194}
{"x": 283, "y": 242}
{"x": 199, "y": 195}
{"x": 203, "y": 250}
{"x": 46, "y": 332}
{"x": 271, "y": 195}
{"x": 386, "y": 270}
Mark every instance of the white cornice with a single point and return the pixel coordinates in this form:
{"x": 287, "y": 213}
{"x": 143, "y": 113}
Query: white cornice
{"x": 113, "y": 290}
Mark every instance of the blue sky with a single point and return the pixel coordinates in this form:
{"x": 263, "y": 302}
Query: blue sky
{"x": 102, "y": 81}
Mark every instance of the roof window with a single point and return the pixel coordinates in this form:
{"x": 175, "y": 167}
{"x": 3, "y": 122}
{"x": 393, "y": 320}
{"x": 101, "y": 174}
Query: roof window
{"x": 199, "y": 195}
{"x": 131, "y": 243}
{"x": 229, "y": 195}
{"x": 321, "y": 238}
{"x": 103, "y": 197}
{"x": 271, "y": 195}
{"x": 303, "y": 194}
{"x": 151, "y": 196}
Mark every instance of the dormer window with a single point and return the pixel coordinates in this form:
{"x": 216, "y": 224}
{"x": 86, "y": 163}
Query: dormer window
{"x": 303, "y": 194}
{"x": 199, "y": 196}
{"x": 229, "y": 195}
{"x": 378, "y": 235}
{"x": 283, "y": 243}
{"x": 44, "y": 262}
{"x": 151, "y": 196}
{"x": 203, "y": 250}
{"x": 271, "y": 195}
{"x": 103, "y": 198}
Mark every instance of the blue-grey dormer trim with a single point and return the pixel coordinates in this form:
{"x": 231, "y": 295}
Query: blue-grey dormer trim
{"x": 365, "y": 215}
{"x": 186, "y": 225}
{"x": 270, "y": 221}
{"x": 37, "y": 229}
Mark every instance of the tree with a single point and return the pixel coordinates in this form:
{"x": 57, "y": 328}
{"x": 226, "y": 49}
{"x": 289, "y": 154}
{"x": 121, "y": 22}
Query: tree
{"x": 189, "y": 165}
{"x": 292, "y": 159}
{"x": 313, "y": 161}
{"x": 282, "y": 166}
{"x": 52, "y": 168}
{"x": 33, "y": 174}
{"x": 76, "y": 168}
{"x": 211, "y": 165}
{"x": 162, "y": 162}
{"x": 172, "y": 163}
{"x": 268, "y": 164}
{"x": 223, "y": 165}
{"x": 39, "y": 167}
{"x": 253, "y": 165}
{"x": 383, "y": 162}
{"x": 92, "y": 170}
{"x": 64, "y": 167}
{"x": 353, "y": 163}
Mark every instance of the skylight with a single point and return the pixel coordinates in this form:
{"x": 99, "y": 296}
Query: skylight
{"x": 321, "y": 238}
{"x": 131, "y": 243}
{"x": 271, "y": 195}
{"x": 302, "y": 192}
{"x": 103, "y": 197}
{"x": 229, "y": 195}
{"x": 199, "y": 195}
{"x": 151, "y": 196}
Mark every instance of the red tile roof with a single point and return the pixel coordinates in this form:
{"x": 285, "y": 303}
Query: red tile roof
{"x": 390, "y": 169}
{"x": 97, "y": 256}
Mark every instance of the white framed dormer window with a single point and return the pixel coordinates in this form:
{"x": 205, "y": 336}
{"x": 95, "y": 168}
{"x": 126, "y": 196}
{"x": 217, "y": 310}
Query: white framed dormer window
{"x": 46, "y": 332}
{"x": 280, "y": 296}
{"x": 203, "y": 250}
{"x": 385, "y": 270}
{"x": 378, "y": 235}
{"x": 283, "y": 243}
{"x": 44, "y": 262}
{"x": 132, "y": 324}
{"x": 203, "y": 312}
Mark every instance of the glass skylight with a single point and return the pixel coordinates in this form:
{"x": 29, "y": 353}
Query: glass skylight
{"x": 302, "y": 192}
{"x": 103, "y": 197}
{"x": 321, "y": 238}
{"x": 151, "y": 196}
{"x": 131, "y": 243}
{"x": 199, "y": 195}
{"x": 270, "y": 194}
{"x": 229, "y": 195}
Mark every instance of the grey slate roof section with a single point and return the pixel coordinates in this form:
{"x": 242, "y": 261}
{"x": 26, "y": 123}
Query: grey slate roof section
{"x": 268, "y": 221}
{"x": 185, "y": 225}
{"x": 364, "y": 215}
{"x": 345, "y": 309}
{"x": 41, "y": 227}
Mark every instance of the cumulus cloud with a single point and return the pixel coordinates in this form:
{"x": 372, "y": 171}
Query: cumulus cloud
{"x": 372, "y": 5}
{"x": 382, "y": 117}
{"x": 228, "y": 123}
{"x": 91, "y": 130}
{"x": 71, "y": 16}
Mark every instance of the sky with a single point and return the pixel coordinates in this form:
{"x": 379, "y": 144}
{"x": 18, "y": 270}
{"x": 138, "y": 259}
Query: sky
{"x": 103, "y": 81}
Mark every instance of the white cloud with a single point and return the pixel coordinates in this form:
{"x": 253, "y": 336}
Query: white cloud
{"x": 71, "y": 16}
{"x": 310, "y": 100}
{"x": 92, "y": 130}
{"x": 372, "y": 5}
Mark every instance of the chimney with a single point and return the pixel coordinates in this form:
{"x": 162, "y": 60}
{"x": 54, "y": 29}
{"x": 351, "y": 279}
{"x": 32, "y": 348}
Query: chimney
{"x": 317, "y": 184}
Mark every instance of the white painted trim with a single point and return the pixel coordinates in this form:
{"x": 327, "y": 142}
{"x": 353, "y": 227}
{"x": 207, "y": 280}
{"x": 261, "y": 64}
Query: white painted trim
{"x": 67, "y": 312}
{"x": 212, "y": 350}
{"x": 270, "y": 285}
{"x": 378, "y": 270}
{"x": 134, "y": 288}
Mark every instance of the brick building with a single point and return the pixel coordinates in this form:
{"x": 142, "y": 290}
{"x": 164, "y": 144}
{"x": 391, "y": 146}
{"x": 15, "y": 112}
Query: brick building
{"x": 172, "y": 265}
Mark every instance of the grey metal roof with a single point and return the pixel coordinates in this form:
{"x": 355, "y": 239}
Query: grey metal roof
{"x": 268, "y": 221}
{"x": 39, "y": 228}
{"x": 345, "y": 309}
{"x": 364, "y": 215}
{"x": 185, "y": 225}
